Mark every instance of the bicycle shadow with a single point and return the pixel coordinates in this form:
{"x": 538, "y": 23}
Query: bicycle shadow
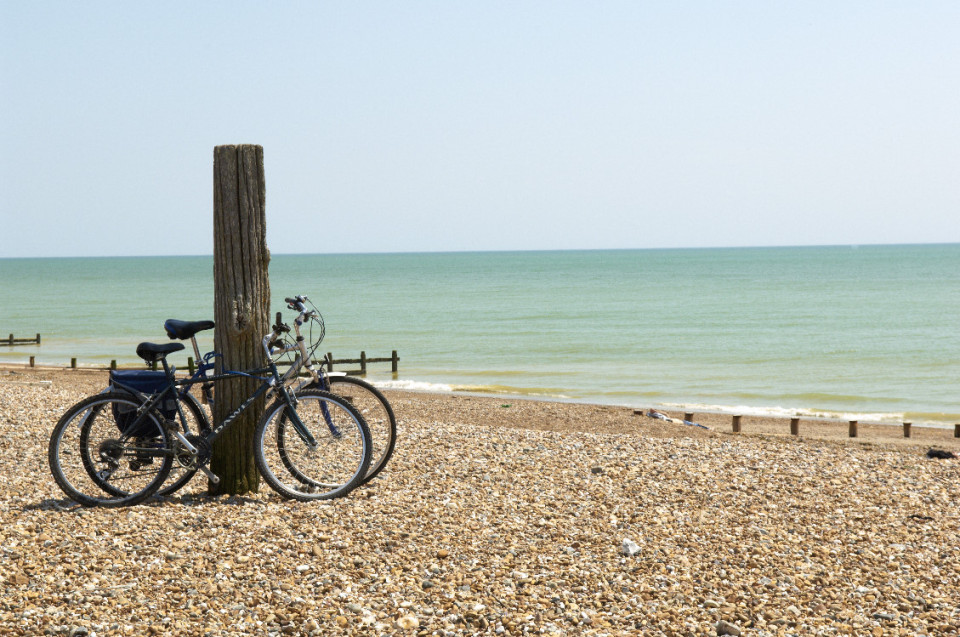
{"x": 62, "y": 505}
{"x": 66, "y": 505}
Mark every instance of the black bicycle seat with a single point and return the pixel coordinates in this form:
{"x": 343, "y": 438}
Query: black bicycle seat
{"x": 185, "y": 329}
{"x": 151, "y": 352}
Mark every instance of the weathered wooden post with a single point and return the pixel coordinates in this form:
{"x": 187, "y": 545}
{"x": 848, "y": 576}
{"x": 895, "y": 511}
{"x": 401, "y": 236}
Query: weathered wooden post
{"x": 73, "y": 363}
{"x": 363, "y": 363}
{"x": 906, "y": 429}
{"x": 736, "y": 424}
{"x": 853, "y": 428}
{"x": 33, "y": 361}
{"x": 394, "y": 360}
{"x": 688, "y": 416}
{"x": 241, "y": 305}
{"x": 794, "y": 426}
{"x": 956, "y": 431}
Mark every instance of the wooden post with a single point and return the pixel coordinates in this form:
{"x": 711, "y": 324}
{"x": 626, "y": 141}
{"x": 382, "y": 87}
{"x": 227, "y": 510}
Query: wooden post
{"x": 393, "y": 361}
{"x": 113, "y": 364}
{"x": 906, "y": 429}
{"x": 11, "y": 339}
{"x": 241, "y": 306}
{"x": 38, "y": 339}
{"x": 736, "y": 424}
{"x": 956, "y": 431}
{"x": 329, "y": 361}
{"x": 794, "y": 426}
{"x": 33, "y": 360}
{"x": 688, "y": 416}
{"x": 363, "y": 363}
{"x": 73, "y": 363}
{"x": 853, "y": 428}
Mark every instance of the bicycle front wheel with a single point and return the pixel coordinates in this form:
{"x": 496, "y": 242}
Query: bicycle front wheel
{"x": 95, "y": 459}
{"x": 330, "y": 468}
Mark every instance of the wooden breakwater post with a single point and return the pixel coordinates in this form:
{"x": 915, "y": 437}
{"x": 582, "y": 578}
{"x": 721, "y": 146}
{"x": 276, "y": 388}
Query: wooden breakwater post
{"x": 794, "y": 426}
{"x": 853, "y": 428}
{"x": 956, "y": 431}
{"x": 736, "y": 423}
{"x": 906, "y": 429}
{"x": 33, "y": 361}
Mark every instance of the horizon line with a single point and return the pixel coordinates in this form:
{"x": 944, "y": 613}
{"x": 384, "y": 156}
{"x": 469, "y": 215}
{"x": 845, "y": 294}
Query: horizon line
{"x": 513, "y": 250}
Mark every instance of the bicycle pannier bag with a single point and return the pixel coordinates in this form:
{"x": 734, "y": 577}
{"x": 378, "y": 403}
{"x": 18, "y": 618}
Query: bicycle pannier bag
{"x": 145, "y": 382}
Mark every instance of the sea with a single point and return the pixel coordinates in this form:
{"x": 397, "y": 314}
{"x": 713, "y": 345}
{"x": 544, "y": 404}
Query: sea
{"x": 849, "y": 332}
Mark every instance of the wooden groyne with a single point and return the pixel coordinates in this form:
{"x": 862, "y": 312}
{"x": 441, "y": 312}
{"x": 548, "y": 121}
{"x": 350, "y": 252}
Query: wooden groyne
{"x": 853, "y": 429}
{"x": 11, "y": 341}
{"x": 329, "y": 362}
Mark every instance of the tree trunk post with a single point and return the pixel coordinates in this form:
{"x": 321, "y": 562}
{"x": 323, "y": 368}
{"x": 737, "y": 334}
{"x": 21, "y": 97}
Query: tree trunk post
{"x": 241, "y": 306}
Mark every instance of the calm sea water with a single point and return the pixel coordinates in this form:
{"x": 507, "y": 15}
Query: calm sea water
{"x": 835, "y": 331}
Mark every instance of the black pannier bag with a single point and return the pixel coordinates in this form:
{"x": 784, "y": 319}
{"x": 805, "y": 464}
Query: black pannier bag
{"x": 145, "y": 382}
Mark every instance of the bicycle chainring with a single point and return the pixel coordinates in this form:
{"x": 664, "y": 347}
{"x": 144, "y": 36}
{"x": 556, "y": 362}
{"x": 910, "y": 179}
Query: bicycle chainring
{"x": 191, "y": 461}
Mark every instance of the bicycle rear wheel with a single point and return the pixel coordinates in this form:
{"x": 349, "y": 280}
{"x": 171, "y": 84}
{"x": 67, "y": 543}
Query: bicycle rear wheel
{"x": 96, "y": 464}
{"x": 330, "y": 469}
{"x": 376, "y": 412}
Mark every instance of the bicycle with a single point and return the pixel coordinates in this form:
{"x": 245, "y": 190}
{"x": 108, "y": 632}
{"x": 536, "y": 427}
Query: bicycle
{"x": 367, "y": 399}
{"x": 127, "y": 443}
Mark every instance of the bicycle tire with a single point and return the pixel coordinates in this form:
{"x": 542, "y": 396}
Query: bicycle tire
{"x": 338, "y": 463}
{"x": 376, "y": 411}
{"x": 118, "y": 459}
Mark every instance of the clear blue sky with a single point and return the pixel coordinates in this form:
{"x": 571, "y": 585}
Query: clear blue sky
{"x": 484, "y": 125}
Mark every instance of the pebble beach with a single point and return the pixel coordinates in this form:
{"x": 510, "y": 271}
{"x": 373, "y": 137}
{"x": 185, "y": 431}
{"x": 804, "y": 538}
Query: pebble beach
{"x": 504, "y": 517}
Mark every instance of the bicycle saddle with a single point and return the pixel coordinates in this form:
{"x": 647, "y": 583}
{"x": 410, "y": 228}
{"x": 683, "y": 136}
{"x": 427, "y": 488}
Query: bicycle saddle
{"x": 152, "y": 352}
{"x": 185, "y": 329}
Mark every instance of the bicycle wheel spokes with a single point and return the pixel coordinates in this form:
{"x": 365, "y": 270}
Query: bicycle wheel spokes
{"x": 96, "y": 464}
{"x": 376, "y": 412}
{"x": 328, "y": 469}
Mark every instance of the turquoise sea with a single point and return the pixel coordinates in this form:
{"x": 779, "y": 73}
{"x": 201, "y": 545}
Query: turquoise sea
{"x": 871, "y": 331}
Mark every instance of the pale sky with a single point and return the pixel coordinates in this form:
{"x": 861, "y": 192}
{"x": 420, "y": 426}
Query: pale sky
{"x": 481, "y": 125}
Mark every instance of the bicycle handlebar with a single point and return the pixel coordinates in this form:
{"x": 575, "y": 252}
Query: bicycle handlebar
{"x": 273, "y": 338}
{"x": 297, "y": 303}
